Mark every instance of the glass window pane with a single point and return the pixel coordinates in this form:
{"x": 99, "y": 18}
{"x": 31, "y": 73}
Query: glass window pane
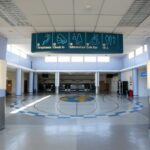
{"x": 77, "y": 59}
{"x": 145, "y": 48}
{"x": 89, "y": 59}
{"x": 131, "y": 55}
{"x": 139, "y": 51}
{"x": 50, "y": 59}
{"x": 103, "y": 59}
{"x": 63, "y": 59}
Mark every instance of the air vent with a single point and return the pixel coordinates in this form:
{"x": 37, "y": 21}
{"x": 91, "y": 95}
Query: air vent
{"x": 12, "y": 14}
{"x": 137, "y": 13}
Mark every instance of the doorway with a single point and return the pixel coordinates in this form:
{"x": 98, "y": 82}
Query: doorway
{"x": 25, "y": 86}
{"x": 9, "y": 87}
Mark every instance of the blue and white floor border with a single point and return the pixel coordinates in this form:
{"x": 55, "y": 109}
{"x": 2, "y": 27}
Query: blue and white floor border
{"x": 137, "y": 106}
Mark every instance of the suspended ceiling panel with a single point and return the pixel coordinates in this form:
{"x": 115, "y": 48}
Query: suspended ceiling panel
{"x": 108, "y": 20}
{"x": 59, "y": 6}
{"x": 31, "y": 7}
{"x": 125, "y": 30}
{"x": 85, "y": 20}
{"x": 10, "y": 32}
{"x": 146, "y": 23}
{"x": 25, "y": 31}
{"x": 60, "y": 29}
{"x": 19, "y": 18}
{"x": 81, "y": 29}
{"x": 116, "y": 7}
{"x": 39, "y": 20}
{"x": 88, "y": 6}
{"x": 3, "y": 23}
{"x": 62, "y": 20}
{"x": 140, "y": 31}
{"x": 44, "y": 29}
{"x": 136, "y": 14}
{"x": 104, "y": 29}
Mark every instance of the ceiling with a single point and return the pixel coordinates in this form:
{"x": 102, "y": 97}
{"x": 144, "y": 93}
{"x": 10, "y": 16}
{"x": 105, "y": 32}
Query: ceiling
{"x": 20, "y": 18}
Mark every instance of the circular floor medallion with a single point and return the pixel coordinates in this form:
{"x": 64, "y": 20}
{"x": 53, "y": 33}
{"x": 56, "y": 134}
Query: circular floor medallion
{"x": 81, "y": 98}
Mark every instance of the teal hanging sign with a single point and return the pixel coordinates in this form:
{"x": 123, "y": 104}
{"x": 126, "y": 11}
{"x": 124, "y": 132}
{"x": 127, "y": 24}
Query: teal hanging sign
{"x": 77, "y": 42}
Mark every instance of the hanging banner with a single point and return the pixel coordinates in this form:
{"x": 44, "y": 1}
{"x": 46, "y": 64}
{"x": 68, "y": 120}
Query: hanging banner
{"x": 77, "y": 42}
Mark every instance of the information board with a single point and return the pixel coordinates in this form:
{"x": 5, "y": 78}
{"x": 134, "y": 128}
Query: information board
{"x": 143, "y": 74}
{"x": 77, "y": 42}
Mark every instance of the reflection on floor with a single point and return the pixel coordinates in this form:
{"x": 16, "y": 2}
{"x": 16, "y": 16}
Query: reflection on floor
{"x": 123, "y": 132}
{"x": 80, "y": 106}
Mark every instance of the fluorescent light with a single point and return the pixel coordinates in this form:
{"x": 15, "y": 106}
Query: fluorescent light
{"x": 131, "y": 55}
{"x": 145, "y": 48}
{"x": 29, "y": 105}
{"x": 63, "y": 59}
{"x": 77, "y": 59}
{"x": 50, "y": 59}
{"x": 139, "y": 51}
{"x": 89, "y": 59}
{"x": 103, "y": 59}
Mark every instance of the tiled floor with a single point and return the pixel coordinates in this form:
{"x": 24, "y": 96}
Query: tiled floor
{"x": 73, "y": 105}
{"x": 125, "y": 132}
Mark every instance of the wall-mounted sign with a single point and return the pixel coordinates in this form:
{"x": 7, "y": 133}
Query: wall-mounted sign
{"x": 143, "y": 74}
{"x": 77, "y": 42}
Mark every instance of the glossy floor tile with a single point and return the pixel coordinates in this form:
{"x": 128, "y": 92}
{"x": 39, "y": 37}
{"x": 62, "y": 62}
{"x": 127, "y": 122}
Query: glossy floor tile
{"x": 73, "y": 105}
{"x": 125, "y": 132}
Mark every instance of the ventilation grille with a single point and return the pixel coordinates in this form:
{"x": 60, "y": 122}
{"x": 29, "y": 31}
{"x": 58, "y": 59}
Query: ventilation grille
{"x": 137, "y": 13}
{"x": 11, "y": 14}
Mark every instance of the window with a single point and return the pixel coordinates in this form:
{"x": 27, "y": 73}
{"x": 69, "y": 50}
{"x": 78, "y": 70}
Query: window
{"x": 103, "y": 59}
{"x": 131, "y": 55}
{"x": 50, "y": 59}
{"x": 139, "y": 51}
{"x": 145, "y": 48}
{"x": 77, "y": 59}
{"x": 63, "y": 59}
{"x": 16, "y": 50}
{"x": 89, "y": 59}
{"x": 9, "y": 47}
{"x": 23, "y": 55}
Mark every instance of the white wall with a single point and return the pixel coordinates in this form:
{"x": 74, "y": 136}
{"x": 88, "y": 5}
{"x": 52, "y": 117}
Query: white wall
{"x": 143, "y": 92}
{"x": 127, "y": 76}
{"x": 114, "y": 84}
{"x": 11, "y": 75}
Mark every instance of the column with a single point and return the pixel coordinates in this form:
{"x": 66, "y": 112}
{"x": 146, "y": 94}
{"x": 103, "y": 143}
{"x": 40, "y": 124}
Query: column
{"x": 97, "y": 82}
{"x": 57, "y": 82}
{"x": 135, "y": 81}
{"x": 30, "y": 90}
{"x": 18, "y": 82}
{"x": 148, "y": 75}
{"x": 121, "y": 76}
{"x": 3, "y": 70}
{"x": 35, "y": 82}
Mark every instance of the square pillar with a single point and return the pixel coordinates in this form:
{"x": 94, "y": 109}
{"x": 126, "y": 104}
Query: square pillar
{"x": 57, "y": 82}
{"x": 18, "y": 82}
{"x": 97, "y": 82}
{"x": 30, "y": 82}
{"x": 135, "y": 81}
{"x": 3, "y": 70}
